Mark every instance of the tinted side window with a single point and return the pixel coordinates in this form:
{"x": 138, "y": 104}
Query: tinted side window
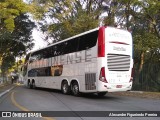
{"x": 88, "y": 41}
{"x": 77, "y": 44}
{"x": 32, "y": 73}
{"x": 43, "y": 71}
{"x": 71, "y": 46}
{"x": 64, "y": 48}
{"x": 36, "y": 56}
{"x": 46, "y": 53}
{"x": 37, "y": 72}
{"x": 55, "y": 50}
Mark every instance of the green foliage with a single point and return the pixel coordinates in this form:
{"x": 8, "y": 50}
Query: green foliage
{"x": 73, "y": 26}
{"x": 69, "y": 17}
{"x": 15, "y": 31}
{"x": 10, "y": 9}
{"x": 16, "y": 43}
{"x": 146, "y": 42}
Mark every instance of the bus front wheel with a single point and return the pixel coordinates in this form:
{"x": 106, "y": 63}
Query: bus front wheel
{"x": 30, "y": 85}
{"x": 65, "y": 88}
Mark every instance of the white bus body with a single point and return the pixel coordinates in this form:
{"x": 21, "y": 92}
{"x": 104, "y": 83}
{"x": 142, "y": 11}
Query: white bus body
{"x": 97, "y": 61}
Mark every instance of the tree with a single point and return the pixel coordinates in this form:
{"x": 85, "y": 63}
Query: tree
{"x": 10, "y": 9}
{"x": 146, "y": 40}
{"x": 15, "y": 31}
{"x": 69, "y": 17}
{"x": 145, "y": 26}
{"x": 17, "y": 42}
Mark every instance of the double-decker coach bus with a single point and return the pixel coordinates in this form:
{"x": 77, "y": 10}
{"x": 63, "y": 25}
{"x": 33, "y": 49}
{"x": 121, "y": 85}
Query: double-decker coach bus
{"x": 97, "y": 61}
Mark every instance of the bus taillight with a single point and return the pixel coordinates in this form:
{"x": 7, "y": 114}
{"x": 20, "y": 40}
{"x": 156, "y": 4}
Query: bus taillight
{"x": 101, "y": 42}
{"x": 102, "y": 76}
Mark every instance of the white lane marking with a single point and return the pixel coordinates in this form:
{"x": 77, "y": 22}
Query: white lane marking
{"x": 3, "y": 93}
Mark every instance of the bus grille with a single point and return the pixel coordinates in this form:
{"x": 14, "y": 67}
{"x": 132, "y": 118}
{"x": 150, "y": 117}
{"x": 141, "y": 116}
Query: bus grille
{"x": 118, "y": 62}
{"x": 90, "y": 79}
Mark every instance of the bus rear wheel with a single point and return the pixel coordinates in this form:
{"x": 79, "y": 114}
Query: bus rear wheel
{"x": 75, "y": 89}
{"x": 33, "y": 85}
{"x": 65, "y": 88}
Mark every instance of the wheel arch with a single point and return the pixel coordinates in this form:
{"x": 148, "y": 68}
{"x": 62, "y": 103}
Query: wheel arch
{"x": 33, "y": 80}
{"x": 28, "y": 81}
{"x": 65, "y": 80}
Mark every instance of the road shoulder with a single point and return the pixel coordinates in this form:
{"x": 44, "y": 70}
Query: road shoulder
{"x": 139, "y": 94}
{"x": 5, "y": 88}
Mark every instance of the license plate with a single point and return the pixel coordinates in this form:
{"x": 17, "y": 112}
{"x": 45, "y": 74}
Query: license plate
{"x": 119, "y": 86}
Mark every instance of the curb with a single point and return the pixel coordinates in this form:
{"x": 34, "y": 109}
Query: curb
{"x": 136, "y": 92}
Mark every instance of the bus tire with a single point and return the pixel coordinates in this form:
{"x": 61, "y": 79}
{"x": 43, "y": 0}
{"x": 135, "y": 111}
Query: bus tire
{"x": 65, "y": 87}
{"x": 101, "y": 94}
{"x": 33, "y": 85}
{"x": 30, "y": 84}
{"x": 75, "y": 89}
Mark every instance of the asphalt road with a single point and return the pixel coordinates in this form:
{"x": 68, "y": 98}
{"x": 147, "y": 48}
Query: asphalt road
{"x": 23, "y": 99}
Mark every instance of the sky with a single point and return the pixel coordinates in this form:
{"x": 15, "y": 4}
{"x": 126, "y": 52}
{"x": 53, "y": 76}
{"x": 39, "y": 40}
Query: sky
{"x": 38, "y": 40}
